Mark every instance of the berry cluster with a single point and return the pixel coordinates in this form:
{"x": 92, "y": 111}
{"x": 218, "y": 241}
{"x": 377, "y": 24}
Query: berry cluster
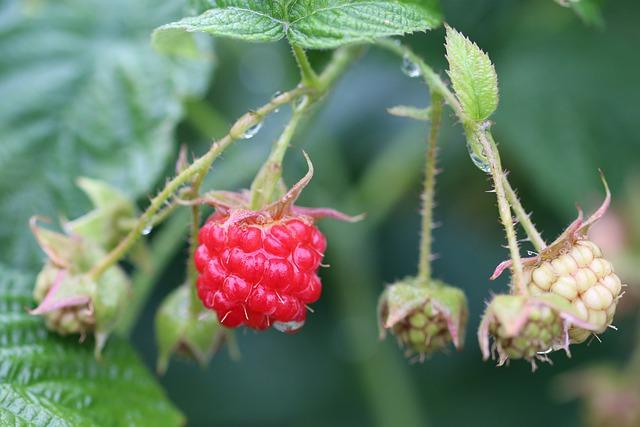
{"x": 259, "y": 274}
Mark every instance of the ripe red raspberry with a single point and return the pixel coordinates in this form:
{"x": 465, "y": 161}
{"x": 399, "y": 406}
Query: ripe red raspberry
{"x": 259, "y": 268}
{"x": 259, "y": 274}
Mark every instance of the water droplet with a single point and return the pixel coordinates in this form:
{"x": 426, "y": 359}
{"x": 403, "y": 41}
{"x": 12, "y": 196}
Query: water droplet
{"x": 479, "y": 159}
{"x": 288, "y": 327}
{"x": 147, "y": 230}
{"x": 410, "y": 68}
{"x": 252, "y": 131}
{"x": 274, "y": 96}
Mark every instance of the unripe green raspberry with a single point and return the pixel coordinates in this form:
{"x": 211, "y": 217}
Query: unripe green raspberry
{"x": 423, "y": 319}
{"x": 526, "y": 327}
{"x": 69, "y": 300}
{"x": 423, "y": 331}
{"x": 65, "y": 319}
{"x": 584, "y": 278}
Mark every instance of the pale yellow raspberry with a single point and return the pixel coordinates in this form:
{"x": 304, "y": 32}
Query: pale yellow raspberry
{"x": 584, "y": 278}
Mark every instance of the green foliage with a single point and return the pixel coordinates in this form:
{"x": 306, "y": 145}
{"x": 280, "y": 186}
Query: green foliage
{"x": 82, "y": 94}
{"x": 48, "y": 380}
{"x": 313, "y": 24}
{"x": 472, "y": 75}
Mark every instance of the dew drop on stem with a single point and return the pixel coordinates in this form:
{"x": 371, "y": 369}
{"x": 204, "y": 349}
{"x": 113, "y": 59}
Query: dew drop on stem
{"x": 410, "y": 68}
{"x": 147, "y": 230}
{"x": 274, "y": 96}
{"x": 252, "y": 131}
{"x": 479, "y": 159}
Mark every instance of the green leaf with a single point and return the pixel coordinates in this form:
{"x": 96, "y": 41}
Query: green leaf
{"x": 313, "y": 24}
{"x": 473, "y": 76}
{"x": 53, "y": 381}
{"x": 251, "y": 20}
{"x": 322, "y": 24}
{"x": 83, "y": 93}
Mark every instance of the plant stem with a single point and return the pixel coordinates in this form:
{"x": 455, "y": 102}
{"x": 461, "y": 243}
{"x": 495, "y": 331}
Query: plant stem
{"x": 163, "y": 247}
{"x": 501, "y": 184}
{"x": 497, "y": 174}
{"x": 428, "y": 194}
{"x": 198, "y": 167}
{"x": 525, "y": 219}
{"x": 308, "y": 75}
{"x": 270, "y": 173}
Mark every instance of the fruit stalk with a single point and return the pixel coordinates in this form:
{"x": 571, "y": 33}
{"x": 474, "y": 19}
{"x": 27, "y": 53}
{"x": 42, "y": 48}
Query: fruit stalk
{"x": 307, "y": 74}
{"x": 424, "y": 263}
{"x": 523, "y": 217}
{"x": 433, "y": 80}
{"x": 270, "y": 173}
{"x": 498, "y": 176}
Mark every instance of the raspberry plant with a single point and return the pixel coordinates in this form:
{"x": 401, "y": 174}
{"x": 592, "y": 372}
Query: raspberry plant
{"x": 256, "y": 261}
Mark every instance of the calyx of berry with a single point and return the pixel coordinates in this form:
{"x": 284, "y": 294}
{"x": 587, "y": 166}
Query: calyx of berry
{"x": 70, "y": 301}
{"x": 529, "y": 328}
{"x": 423, "y": 318}
{"x": 179, "y": 330}
{"x": 105, "y": 224}
{"x": 237, "y": 204}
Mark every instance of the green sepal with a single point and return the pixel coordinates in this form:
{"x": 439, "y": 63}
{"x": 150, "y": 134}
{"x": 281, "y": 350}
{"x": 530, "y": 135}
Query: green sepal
{"x": 103, "y": 224}
{"x": 179, "y": 330}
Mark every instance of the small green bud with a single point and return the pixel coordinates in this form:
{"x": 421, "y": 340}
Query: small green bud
{"x": 69, "y": 300}
{"x": 106, "y": 223}
{"x": 179, "y": 330}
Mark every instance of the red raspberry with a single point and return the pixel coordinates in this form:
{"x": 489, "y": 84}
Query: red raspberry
{"x": 258, "y": 273}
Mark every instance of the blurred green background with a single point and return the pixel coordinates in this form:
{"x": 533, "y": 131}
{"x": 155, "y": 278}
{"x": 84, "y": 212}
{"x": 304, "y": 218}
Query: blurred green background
{"x": 568, "y": 106}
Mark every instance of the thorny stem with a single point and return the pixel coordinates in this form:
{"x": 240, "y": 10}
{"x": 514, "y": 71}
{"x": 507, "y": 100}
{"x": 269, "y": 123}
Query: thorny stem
{"x": 491, "y": 151}
{"x": 523, "y": 217}
{"x": 270, "y": 173}
{"x": 197, "y": 167}
{"x": 424, "y": 263}
{"x": 501, "y": 184}
{"x": 341, "y": 59}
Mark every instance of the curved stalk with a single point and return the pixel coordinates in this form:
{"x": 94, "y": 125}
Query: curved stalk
{"x": 497, "y": 174}
{"x": 523, "y": 217}
{"x": 428, "y": 194}
{"x": 270, "y": 173}
{"x": 198, "y": 168}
